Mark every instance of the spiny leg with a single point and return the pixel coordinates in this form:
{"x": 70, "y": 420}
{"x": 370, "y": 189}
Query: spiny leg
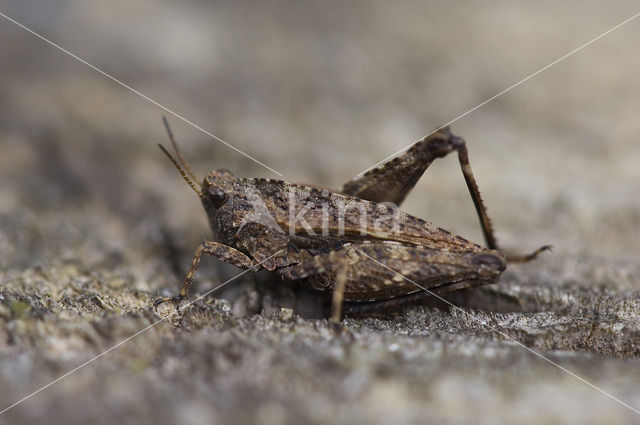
{"x": 459, "y": 145}
{"x": 405, "y": 170}
{"x": 463, "y": 156}
{"x": 223, "y": 252}
{"x": 393, "y": 180}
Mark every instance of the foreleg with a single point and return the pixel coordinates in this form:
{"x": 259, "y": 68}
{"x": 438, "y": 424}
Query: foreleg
{"x": 223, "y": 252}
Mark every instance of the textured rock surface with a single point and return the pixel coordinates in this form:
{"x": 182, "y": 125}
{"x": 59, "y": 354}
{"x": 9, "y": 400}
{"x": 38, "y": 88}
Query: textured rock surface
{"x": 94, "y": 223}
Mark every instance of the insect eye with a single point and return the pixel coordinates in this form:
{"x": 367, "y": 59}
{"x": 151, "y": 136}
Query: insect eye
{"x": 217, "y": 197}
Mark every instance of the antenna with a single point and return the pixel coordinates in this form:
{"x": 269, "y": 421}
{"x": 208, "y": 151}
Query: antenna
{"x": 184, "y": 175}
{"x": 184, "y": 163}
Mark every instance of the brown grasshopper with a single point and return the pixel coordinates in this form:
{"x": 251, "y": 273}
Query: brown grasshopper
{"x": 354, "y": 242}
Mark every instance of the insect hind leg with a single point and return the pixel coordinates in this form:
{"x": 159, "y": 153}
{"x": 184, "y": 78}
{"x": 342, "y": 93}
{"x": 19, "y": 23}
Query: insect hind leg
{"x": 459, "y": 145}
{"x": 392, "y": 181}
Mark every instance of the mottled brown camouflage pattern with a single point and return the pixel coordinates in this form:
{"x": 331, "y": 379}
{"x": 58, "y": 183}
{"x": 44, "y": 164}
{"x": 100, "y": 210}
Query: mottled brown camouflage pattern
{"x": 355, "y": 242}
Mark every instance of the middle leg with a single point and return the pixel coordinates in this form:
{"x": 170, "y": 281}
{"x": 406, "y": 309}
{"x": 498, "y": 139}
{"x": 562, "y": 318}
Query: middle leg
{"x": 392, "y": 181}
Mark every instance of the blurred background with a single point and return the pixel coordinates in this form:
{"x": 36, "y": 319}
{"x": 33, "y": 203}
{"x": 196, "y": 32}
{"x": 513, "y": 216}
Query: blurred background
{"x": 318, "y": 91}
